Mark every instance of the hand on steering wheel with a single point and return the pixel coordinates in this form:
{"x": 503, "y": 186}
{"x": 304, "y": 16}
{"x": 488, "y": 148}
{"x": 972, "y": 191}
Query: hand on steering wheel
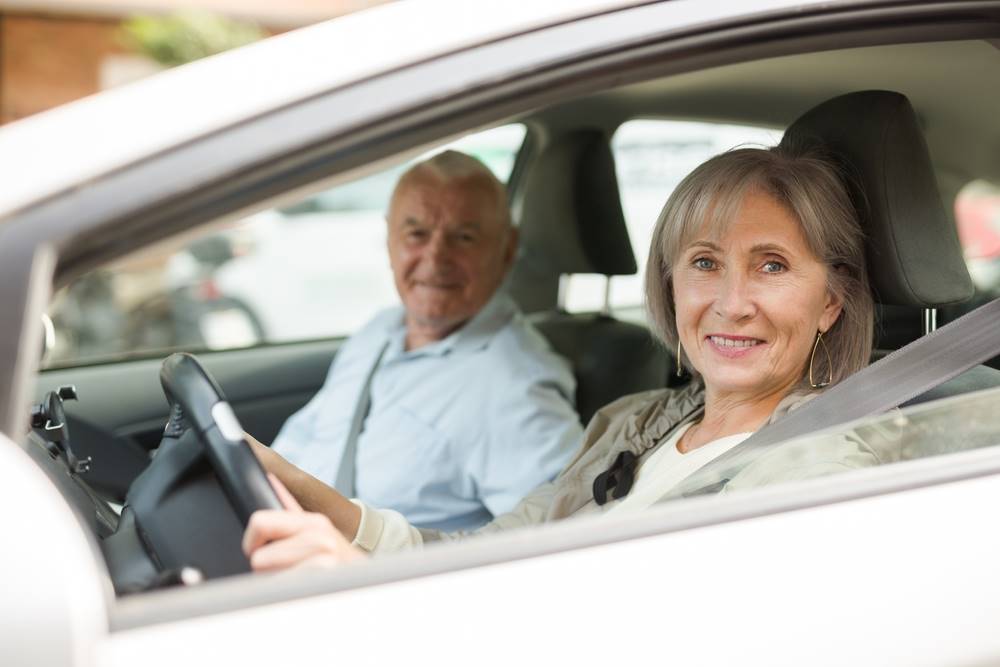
{"x": 197, "y": 403}
{"x": 279, "y": 540}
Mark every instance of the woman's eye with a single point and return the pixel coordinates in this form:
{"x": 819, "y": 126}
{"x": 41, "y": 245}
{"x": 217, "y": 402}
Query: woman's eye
{"x": 704, "y": 264}
{"x": 773, "y": 267}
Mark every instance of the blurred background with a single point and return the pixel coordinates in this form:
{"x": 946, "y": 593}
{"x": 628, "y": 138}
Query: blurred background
{"x": 56, "y": 51}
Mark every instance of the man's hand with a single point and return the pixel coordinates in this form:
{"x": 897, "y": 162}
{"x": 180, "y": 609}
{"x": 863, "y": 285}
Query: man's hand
{"x": 282, "y": 539}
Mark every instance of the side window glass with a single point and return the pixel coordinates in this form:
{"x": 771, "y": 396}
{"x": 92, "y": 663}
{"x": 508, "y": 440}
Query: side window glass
{"x": 977, "y": 214}
{"x": 651, "y": 158}
{"x": 314, "y": 269}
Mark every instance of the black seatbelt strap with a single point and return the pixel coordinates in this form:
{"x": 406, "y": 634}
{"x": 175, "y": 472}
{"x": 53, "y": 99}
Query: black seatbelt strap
{"x": 346, "y": 471}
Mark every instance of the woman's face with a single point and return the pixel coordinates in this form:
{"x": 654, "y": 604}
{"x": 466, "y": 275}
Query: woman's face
{"x": 749, "y": 303}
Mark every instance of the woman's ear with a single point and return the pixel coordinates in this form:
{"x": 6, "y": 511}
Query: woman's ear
{"x": 831, "y": 311}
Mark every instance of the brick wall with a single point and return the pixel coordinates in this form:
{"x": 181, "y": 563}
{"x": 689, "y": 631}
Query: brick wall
{"x": 48, "y": 60}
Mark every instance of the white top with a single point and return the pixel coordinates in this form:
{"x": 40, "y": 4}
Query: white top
{"x": 667, "y": 467}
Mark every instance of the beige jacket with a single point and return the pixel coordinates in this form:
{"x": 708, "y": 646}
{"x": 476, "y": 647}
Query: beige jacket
{"x": 639, "y": 424}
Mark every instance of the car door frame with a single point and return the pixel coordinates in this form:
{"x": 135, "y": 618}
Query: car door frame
{"x": 457, "y": 92}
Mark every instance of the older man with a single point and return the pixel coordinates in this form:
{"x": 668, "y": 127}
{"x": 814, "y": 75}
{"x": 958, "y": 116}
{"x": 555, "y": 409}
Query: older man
{"x": 452, "y": 407}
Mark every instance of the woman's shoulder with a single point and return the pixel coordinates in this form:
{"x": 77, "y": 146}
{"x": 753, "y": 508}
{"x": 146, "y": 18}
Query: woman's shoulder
{"x": 681, "y": 399}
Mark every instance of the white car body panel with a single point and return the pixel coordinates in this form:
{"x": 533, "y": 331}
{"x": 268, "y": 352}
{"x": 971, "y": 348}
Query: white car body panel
{"x": 878, "y": 580}
{"x": 67, "y": 146}
{"x": 841, "y": 584}
{"x": 55, "y": 589}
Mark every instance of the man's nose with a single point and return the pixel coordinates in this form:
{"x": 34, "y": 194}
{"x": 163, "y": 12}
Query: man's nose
{"x": 735, "y": 300}
{"x": 438, "y": 248}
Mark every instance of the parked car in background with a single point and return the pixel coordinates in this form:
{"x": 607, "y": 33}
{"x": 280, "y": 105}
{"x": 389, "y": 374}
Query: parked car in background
{"x": 286, "y": 149}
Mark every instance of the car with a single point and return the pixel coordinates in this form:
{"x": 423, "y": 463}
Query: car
{"x": 887, "y": 565}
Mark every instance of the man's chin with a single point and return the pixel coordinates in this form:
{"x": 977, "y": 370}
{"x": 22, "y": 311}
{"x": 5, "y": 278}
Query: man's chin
{"x": 436, "y": 320}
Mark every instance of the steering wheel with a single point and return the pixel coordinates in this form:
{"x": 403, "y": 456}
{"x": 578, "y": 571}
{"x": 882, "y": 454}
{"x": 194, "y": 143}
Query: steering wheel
{"x": 197, "y": 403}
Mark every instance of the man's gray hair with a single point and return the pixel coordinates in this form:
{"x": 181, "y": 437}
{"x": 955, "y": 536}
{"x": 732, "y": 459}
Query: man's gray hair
{"x": 451, "y": 166}
{"x": 814, "y": 191}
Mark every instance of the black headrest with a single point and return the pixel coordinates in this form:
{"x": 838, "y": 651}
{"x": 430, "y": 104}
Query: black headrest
{"x": 914, "y": 256}
{"x": 572, "y": 210}
{"x": 571, "y": 219}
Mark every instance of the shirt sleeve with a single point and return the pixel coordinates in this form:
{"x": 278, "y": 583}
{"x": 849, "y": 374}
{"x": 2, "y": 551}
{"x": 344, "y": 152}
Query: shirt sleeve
{"x": 385, "y": 531}
{"x": 297, "y": 430}
{"x": 806, "y": 458}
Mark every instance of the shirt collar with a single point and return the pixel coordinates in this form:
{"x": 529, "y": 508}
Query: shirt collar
{"x": 473, "y": 335}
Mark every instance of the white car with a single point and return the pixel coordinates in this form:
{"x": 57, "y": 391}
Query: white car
{"x": 894, "y": 565}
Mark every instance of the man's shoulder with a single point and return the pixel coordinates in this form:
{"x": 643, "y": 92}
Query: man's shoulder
{"x": 378, "y": 327}
{"x": 519, "y": 350}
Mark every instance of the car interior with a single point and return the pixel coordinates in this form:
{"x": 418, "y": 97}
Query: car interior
{"x": 911, "y": 123}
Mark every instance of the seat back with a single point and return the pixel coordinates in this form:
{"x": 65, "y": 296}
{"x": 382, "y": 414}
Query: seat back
{"x": 571, "y": 221}
{"x": 914, "y": 256}
{"x": 610, "y": 358}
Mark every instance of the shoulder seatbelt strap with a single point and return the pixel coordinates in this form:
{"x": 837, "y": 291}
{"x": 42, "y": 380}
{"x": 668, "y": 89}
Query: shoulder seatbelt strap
{"x": 896, "y": 378}
{"x": 346, "y": 471}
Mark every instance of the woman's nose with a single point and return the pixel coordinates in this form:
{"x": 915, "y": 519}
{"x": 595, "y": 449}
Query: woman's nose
{"x": 735, "y": 299}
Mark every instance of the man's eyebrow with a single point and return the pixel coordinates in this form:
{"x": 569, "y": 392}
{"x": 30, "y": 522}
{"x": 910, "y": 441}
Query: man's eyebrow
{"x": 411, "y": 222}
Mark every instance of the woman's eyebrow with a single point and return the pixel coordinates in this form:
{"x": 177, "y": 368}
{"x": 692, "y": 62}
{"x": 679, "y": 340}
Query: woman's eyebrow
{"x": 769, "y": 247}
{"x": 705, "y": 244}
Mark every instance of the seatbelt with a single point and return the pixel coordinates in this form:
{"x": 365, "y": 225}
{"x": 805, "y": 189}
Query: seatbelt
{"x": 896, "y": 378}
{"x": 345, "y": 473}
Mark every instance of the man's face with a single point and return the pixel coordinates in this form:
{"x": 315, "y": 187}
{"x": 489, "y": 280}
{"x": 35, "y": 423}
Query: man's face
{"x": 449, "y": 250}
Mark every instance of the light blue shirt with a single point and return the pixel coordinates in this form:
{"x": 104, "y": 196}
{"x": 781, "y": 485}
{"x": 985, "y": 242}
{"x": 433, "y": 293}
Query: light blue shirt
{"x": 459, "y": 430}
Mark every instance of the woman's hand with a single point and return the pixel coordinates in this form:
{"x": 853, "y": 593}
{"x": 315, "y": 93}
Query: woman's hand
{"x": 283, "y": 539}
{"x": 309, "y": 492}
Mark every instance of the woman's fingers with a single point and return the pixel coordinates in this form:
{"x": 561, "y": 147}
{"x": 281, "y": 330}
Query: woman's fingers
{"x": 284, "y": 495}
{"x": 305, "y": 548}
{"x": 276, "y": 540}
{"x": 267, "y": 525}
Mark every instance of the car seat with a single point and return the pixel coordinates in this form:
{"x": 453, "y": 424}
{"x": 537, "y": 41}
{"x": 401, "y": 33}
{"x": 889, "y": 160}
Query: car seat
{"x": 913, "y": 252}
{"x": 571, "y": 221}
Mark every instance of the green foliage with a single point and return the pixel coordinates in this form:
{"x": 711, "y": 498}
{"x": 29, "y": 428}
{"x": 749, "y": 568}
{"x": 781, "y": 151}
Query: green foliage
{"x": 179, "y": 38}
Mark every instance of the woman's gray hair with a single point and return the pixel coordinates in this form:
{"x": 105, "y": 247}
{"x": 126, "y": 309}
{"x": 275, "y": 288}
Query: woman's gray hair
{"x": 814, "y": 191}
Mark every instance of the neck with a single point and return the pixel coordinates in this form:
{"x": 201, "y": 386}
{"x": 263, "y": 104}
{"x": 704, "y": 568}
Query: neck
{"x": 728, "y": 414}
{"x": 419, "y": 334}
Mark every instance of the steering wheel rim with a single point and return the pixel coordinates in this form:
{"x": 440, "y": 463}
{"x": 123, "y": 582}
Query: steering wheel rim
{"x": 197, "y": 402}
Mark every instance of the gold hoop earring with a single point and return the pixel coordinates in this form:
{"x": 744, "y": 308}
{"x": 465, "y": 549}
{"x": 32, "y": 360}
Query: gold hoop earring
{"x": 829, "y": 363}
{"x": 680, "y": 368}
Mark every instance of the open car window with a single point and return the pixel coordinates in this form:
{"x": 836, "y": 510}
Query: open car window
{"x": 313, "y": 269}
{"x": 651, "y": 158}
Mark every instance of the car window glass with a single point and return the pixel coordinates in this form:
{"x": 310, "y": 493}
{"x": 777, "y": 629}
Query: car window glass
{"x": 314, "y": 269}
{"x": 977, "y": 214}
{"x": 651, "y": 158}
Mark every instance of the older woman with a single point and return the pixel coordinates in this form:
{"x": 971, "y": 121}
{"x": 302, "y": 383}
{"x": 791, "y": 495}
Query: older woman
{"x": 756, "y": 278}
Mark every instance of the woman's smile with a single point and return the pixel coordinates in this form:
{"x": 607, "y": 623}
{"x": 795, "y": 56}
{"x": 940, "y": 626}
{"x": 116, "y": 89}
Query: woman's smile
{"x": 734, "y": 347}
{"x": 750, "y": 300}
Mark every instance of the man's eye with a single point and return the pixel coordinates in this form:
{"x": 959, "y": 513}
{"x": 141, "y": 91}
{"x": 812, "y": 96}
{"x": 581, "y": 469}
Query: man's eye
{"x": 704, "y": 263}
{"x": 773, "y": 267}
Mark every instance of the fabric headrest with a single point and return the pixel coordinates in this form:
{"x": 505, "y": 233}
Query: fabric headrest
{"x": 914, "y": 256}
{"x": 572, "y": 211}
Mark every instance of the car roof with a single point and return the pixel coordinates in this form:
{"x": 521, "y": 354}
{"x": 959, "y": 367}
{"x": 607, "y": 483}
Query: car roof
{"x": 68, "y": 145}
